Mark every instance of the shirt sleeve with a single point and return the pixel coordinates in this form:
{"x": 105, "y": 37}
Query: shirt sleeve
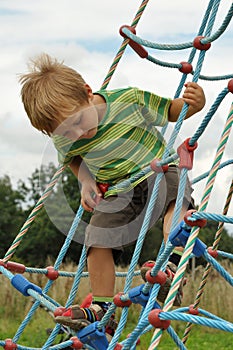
{"x": 154, "y": 108}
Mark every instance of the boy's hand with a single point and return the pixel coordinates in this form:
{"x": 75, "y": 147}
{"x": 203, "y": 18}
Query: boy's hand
{"x": 194, "y": 96}
{"x": 90, "y": 195}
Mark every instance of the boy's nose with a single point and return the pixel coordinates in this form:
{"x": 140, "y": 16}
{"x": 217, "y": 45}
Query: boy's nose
{"x": 77, "y": 134}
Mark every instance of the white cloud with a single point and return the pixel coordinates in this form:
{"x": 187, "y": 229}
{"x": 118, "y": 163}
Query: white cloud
{"x": 85, "y": 35}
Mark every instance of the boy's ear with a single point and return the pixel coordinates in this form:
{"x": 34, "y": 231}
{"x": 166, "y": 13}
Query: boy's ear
{"x": 89, "y": 91}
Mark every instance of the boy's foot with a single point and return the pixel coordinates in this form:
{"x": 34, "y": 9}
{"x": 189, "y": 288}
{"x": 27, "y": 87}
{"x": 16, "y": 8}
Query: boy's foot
{"x": 77, "y": 318}
{"x": 164, "y": 289}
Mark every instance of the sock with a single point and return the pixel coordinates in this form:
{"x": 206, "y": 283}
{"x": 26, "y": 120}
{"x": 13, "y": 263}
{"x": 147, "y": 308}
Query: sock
{"x": 175, "y": 257}
{"x": 88, "y": 313}
{"x": 84, "y": 313}
{"x": 103, "y": 302}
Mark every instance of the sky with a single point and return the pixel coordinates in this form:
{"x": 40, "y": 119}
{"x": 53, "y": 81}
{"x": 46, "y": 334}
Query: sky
{"x": 85, "y": 35}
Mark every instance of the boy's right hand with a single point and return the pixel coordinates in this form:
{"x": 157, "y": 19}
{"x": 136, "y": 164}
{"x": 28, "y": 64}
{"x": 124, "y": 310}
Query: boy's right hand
{"x": 90, "y": 195}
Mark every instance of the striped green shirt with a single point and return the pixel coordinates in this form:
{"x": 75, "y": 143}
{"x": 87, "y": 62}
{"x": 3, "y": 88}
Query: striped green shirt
{"x": 127, "y": 139}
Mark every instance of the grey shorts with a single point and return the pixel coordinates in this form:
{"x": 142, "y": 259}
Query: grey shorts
{"x": 117, "y": 220}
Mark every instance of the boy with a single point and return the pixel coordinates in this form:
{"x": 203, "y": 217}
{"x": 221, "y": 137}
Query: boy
{"x": 106, "y": 137}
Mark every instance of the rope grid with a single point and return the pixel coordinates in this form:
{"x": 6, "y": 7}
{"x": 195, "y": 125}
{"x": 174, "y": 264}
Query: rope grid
{"x": 153, "y": 316}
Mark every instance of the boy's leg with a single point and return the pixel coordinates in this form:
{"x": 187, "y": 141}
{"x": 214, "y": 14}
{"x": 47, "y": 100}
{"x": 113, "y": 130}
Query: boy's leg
{"x": 168, "y": 220}
{"x": 172, "y": 181}
{"x": 101, "y": 270}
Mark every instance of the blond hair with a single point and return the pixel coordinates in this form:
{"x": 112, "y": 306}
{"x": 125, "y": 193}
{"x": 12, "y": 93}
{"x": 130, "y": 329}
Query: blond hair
{"x": 50, "y": 92}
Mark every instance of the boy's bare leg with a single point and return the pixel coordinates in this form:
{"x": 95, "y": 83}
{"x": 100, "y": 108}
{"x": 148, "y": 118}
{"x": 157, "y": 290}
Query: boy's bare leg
{"x": 101, "y": 270}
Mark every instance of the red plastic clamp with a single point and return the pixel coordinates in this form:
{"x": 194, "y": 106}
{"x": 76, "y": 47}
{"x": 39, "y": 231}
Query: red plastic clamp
{"x": 185, "y": 152}
{"x": 139, "y": 49}
{"x": 198, "y": 222}
{"x": 154, "y": 319}
{"x": 230, "y": 86}
{"x": 9, "y": 345}
{"x": 120, "y": 303}
{"x": 160, "y": 278}
{"x": 51, "y": 273}
{"x": 212, "y": 252}
{"x": 158, "y": 168}
{"x": 199, "y": 46}
{"x": 186, "y": 67}
{"x": 118, "y": 347}
{"x": 77, "y": 344}
{"x": 193, "y": 311}
{"x": 15, "y": 267}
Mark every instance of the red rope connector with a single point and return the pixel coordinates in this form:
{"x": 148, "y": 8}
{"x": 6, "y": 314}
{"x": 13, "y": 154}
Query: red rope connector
{"x": 198, "y": 222}
{"x": 154, "y": 319}
{"x": 77, "y": 344}
{"x": 139, "y": 49}
{"x": 185, "y": 152}
{"x": 118, "y": 347}
{"x": 15, "y": 267}
{"x": 193, "y": 311}
{"x": 120, "y": 303}
{"x": 51, "y": 273}
{"x": 212, "y": 252}
{"x": 199, "y": 46}
{"x": 158, "y": 168}
{"x": 160, "y": 278}
{"x": 186, "y": 67}
{"x": 230, "y": 86}
{"x": 9, "y": 345}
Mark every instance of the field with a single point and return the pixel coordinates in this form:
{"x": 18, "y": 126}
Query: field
{"x": 216, "y": 299}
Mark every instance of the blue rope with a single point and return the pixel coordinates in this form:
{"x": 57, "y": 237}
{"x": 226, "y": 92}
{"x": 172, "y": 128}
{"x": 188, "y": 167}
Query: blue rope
{"x": 225, "y": 255}
{"x": 165, "y": 250}
{"x": 203, "y": 321}
{"x": 210, "y": 216}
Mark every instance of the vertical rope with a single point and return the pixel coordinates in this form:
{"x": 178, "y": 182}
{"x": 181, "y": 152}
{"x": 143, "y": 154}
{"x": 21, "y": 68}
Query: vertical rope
{"x": 195, "y": 231}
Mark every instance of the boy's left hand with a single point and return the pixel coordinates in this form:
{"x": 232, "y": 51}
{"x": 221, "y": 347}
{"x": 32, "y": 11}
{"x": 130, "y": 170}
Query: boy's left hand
{"x": 194, "y": 96}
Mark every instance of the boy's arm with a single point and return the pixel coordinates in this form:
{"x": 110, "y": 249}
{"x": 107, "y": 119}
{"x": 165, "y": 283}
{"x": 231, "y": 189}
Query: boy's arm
{"x": 193, "y": 95}
{"x": 90, "y": 193}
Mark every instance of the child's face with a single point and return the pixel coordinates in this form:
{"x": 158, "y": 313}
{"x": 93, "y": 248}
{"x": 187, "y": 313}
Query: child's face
{"x": 82, "y": 124}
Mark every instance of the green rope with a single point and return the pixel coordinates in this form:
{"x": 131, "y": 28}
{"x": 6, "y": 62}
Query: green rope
{"x": 123, "y": 46}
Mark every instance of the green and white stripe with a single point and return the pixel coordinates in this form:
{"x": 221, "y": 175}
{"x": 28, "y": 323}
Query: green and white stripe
{"x": 127, "y": 138}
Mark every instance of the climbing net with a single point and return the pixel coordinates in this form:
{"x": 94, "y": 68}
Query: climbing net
{"x": 152, "y": 315}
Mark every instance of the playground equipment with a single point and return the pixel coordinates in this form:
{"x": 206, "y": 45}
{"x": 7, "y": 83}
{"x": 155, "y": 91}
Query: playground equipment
{"x": 185, "y": 233}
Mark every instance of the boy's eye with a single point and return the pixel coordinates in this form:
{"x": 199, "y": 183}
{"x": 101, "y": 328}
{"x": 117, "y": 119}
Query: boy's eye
{"x": 66, "y": 133}
{"x": 77, "y": 122}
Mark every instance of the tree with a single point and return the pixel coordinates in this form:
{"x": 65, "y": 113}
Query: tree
{"x": 48, "y": 232}
{"x": 11, "y": 213}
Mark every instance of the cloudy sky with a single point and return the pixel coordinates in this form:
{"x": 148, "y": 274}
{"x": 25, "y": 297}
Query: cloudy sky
{"x": 84, "y": 34}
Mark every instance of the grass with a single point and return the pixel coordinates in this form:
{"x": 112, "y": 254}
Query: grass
{"x": 217, "y": 299}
